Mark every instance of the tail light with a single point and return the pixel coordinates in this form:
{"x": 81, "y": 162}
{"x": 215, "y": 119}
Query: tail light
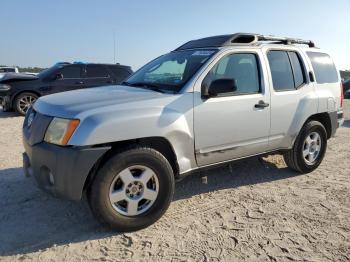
{"x": 341, "y": 95}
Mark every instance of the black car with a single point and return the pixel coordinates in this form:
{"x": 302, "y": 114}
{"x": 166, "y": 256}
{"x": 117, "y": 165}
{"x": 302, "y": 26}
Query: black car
{"x": 19, "y": 91}
{"x": 346, "y": 88}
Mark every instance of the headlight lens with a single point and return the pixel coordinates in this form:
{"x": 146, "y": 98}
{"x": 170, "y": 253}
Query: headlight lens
{"x": 60, "y": 130}
{"x": 4, "y": 87}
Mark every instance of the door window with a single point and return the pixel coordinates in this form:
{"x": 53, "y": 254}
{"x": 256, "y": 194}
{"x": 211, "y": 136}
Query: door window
{"x": 281, "y": 70}
{"x": 287, "y": 70}
{"x": 70, "y": 72}
{"x": 241, "y": 67}
{"x": 95, "y": 71}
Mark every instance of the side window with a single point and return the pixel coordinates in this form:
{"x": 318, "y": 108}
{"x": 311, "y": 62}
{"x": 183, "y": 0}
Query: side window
{"x": 241, "y": 67}
{"x": 281, "y": 70}
{"x": 298, "y": 71}
{"x": 121, "y": 73}
{"x": 95, "y": 71}
{"x": 70, "y": 72}
{"x": 324, "y": 68}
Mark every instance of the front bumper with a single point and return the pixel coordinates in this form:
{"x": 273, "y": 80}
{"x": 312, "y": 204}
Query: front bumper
{"x": 61, "y": 171}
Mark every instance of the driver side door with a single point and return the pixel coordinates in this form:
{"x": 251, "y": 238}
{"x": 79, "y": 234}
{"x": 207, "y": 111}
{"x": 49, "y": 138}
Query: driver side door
{"x": 233, "y": 125}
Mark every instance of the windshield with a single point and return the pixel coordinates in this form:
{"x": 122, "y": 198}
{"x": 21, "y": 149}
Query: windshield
{"x": 170, "y": 72}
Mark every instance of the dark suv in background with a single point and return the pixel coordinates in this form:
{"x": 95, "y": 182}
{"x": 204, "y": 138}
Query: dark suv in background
{"x": 346, "y": 86}
{"x": 19, "y": 91}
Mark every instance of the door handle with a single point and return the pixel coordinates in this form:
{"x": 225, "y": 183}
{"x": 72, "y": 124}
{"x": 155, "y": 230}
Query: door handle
{"x": 79, "y": 83}
{"x": 261, "y": 104}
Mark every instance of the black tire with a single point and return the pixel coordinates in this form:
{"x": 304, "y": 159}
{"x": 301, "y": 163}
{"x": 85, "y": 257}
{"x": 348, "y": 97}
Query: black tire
{"x": 98, "y": 193}
{"x": 294, "y": 157}
{"x": 6, "y": 109}
{"x": 19, "y": 102}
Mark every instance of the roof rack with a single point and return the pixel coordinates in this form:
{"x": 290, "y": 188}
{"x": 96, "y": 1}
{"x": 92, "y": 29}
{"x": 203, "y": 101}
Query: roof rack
{"x": 241, "y": 39}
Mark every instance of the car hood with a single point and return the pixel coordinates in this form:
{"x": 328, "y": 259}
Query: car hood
{"x": 7, "y": 77}
{"x": 80, "y": 103}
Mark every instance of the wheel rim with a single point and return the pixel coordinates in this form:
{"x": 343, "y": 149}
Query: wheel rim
{"x": 26, "y": 102}
{"x": 312, "y": 148}
{"x": 134, "y": 190}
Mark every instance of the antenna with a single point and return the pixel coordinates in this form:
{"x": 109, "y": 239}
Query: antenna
{"x": 114, "y": 45}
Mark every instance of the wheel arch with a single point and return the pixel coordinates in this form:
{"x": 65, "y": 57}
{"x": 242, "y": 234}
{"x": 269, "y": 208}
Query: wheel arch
{"x": 160, "y": 144}
{"x": 14, "y": 97}
{"x": 324, "y": 119}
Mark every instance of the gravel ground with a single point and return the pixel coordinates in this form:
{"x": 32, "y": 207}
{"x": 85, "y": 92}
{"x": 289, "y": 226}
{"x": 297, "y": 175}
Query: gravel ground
{"x": 255, "y": 210}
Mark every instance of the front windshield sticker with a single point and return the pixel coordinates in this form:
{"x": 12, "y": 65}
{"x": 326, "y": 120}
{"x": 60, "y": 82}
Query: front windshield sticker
{"x": 203, "y": 53}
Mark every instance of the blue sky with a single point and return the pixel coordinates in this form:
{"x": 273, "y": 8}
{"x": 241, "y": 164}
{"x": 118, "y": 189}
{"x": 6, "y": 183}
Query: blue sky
{"x": 42, "y": 32}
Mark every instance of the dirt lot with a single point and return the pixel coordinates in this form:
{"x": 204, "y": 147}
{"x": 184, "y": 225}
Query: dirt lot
{"x": 259, "y": 211}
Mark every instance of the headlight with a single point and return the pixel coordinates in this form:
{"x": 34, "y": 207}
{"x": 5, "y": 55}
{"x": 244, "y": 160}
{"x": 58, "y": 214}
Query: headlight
{"x": 4, "y": 87}
{"x": 60, "y": 130}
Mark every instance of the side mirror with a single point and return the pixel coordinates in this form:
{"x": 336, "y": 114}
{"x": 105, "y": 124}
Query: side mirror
{"x": 58, "y": 77}
{"x": 219, "y": 86}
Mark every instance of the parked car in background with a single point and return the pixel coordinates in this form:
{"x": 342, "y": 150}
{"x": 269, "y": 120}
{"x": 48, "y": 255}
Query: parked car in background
{"x": 8, "y": 69}
{"x": 208, "y": 102}
{"x": 346, "y": 88}
{"x": 19, "y": 91}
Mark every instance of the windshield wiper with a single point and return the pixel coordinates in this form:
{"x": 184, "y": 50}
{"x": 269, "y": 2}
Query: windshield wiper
{"x": 144, "y": 85}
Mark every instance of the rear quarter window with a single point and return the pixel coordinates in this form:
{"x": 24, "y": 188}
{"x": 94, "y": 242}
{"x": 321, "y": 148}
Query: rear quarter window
{"x": 324, "y": 68}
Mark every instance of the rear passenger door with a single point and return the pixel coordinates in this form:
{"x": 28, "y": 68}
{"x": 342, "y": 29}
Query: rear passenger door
{"x": 293, "y": 97}
{"x": 97, "y": 75}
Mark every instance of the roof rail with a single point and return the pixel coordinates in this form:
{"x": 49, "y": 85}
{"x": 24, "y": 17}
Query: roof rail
{"x": 285, "y": 40}
{"x": 241, "y": 38}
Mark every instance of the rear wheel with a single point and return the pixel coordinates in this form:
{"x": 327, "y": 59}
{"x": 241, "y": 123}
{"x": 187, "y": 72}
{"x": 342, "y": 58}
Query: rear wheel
{"x": 132, "y": 190}
{"x": 24, "y": 101}
{"x": 309, "y": 148}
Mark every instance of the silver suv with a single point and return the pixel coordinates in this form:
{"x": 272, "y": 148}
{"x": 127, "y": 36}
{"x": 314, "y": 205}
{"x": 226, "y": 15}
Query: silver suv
{"x": 208, "y": 102}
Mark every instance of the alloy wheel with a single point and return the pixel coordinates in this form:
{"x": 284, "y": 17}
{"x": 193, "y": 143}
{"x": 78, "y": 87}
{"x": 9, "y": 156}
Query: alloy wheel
{"x": 134, "y": 190}
{"x": 312, "y": 148}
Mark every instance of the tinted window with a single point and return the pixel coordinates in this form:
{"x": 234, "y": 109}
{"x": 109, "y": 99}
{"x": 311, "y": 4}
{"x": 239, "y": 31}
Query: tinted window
{"x": 96, "y": 71}
{"x": 121, "y": 73}
{"x": 324, "y": 69}
{"x": 70, "y": 72}
{"x": 298, "y": 72}
{"x": 241, "y": 67}
{"x": 281, "y": 70}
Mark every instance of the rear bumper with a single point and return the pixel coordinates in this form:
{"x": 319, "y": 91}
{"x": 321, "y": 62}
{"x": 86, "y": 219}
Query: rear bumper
{"x": 337, "y": 120}
{"x": 61, "y": 171}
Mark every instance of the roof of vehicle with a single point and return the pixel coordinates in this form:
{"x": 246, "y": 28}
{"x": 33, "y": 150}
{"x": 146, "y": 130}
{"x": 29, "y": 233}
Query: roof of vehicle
{"x": 87, "y": 63}
{"x": 246, "y": 39}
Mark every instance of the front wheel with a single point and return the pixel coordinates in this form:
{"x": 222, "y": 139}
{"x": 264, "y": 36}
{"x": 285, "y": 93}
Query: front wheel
{"x": 132, "y": 190}
{"x": 309, "y": 148}
{"x": 24, "y": 101}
